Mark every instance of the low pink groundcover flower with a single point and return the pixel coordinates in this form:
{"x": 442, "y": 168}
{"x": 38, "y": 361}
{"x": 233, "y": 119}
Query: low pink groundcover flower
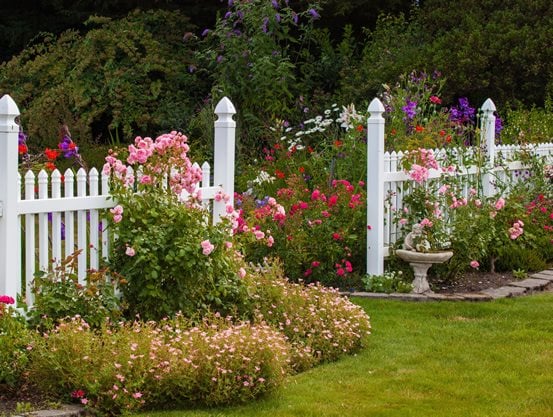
{"x": 474, "y": 264}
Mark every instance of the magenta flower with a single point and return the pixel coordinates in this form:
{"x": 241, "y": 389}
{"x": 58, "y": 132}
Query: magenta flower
{"x": 474, "y": 264}
{"x": 6, "y": 299}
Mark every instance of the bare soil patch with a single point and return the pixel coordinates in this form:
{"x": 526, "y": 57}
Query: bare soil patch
{"x": 473, "y": 281}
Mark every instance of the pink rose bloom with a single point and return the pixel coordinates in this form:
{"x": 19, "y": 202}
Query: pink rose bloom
{"x": 403, "y": 221}
{"x": 118, "y": 209}
{"x": 340, "y": 272}
{"x": 117, "y": 218}
{"x": 315, "y": 264}
{"x": 272, "y": 202}
{"x": 426, "y": 223}
{"x": 270, "y": 241}
{"x": 241, "y": 272}
{"x": 130, "y": 251}
{"x": 207, "y": 247}
{"x": 259, "y": 234}
{"x": 145, "y": 179}
{"x": 418, "y": 173}
{"x": 315, "y": 195}
{"x": 500, "y": 204}
{"x": 474, "y": 264}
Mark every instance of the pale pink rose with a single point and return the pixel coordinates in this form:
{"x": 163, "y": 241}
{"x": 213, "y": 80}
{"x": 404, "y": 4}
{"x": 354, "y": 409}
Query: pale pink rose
{"x": 403, "y": 221}
{"x": 207, "y": 247}
{"x": 474, "y": 264}
{"x": 241, "y": 272}
{"x": 270, "y": 241}
{"x": 426, "y": 223}
{"x": 118, "y": 209}
{"x": 500, "y": 204}
{"x": 130, "y": 251}
{"x": 117, "y": 218}
{"x": 258, "y": 234}
{"x": 418, "y": 173}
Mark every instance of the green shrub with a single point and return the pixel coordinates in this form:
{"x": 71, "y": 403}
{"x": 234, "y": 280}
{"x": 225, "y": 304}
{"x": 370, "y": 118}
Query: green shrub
{"x": 14, "y": 340}
{"x": 512, "y": 257}
{"x": 166, "y": 247}
{"x": 388, "y": 282}
{"x": 58, "y": 294}
{"x": 320, "y": 324}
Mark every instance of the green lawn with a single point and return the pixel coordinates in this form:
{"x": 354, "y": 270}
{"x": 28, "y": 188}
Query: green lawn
{"x": 429, "y": 359}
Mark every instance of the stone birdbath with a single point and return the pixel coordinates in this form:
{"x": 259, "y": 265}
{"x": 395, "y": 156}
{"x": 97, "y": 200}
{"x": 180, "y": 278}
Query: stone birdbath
{"x": 421, "y": 263}
{"x": 416, "y": 251}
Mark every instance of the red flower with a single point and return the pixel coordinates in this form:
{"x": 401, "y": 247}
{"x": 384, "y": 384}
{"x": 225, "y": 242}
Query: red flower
{"x": 340, "y": 272}
{"x": 22, "y": 149}
{"x": 302, "y": 170}
{"x": 338, "y": 143}
{"x": 336, "y": 236}
{"x": 419, "y": 128}
{"x": 393, "y": 132}
{"x": 448, "y": 139}
{"x": 78, "y": 394}
{"x": 442, "y": 132}
{"x": 359, "y": 128}
{"x": 435, "y": 100}
{"x": 280, "y": 174}
{"x": 333, "y": 200}
{"x": 49, "y": 166}
{"x": 51, "y": 154}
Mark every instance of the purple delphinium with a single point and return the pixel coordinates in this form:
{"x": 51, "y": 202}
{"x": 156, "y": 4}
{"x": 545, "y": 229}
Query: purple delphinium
{"x": 262, "y": 203}
{"x": 275, "y": 4}
{"x": 22, "y": 137}
{"x": 463, "y": 113}
{"x": 498, "y": 126}
{"x": 68, "y": 147}
{"x": 205, "y": 32}
{"x": 410, "y": 110}
{"x": 277, "y": 17}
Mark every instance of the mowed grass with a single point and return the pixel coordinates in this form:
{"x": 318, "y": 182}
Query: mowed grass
{"x": 428, "y": 359}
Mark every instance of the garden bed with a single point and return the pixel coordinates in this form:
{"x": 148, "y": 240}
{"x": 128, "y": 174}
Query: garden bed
{"x": 473, "y": 281}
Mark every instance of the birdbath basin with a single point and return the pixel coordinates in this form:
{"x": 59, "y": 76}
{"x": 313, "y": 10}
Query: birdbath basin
{"x": 421, "y": 263}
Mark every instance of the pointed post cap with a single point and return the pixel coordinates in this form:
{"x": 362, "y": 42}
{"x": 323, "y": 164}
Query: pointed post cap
{"x": 8, "y": 112}
{"x": 376, "y": 106}
{"x": 488, "y": 106}
{"x": 225, "y": 106}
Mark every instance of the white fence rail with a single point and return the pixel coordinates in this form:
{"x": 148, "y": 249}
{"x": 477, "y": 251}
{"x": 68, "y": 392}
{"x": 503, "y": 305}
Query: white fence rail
{"x": 387, "y": 179}
{"x": 45, "y": 218}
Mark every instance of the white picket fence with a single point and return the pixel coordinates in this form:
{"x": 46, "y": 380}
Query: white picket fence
{"x": 51, "y": 217}
{"x": 387, "y": 179}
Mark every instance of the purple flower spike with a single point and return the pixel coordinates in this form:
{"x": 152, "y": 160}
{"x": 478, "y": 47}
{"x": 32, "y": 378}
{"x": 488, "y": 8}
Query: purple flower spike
{"x": 410, "y": 109}
{"x": 205, "y": 32}
{"x": 264, "y": 25}
{"x": 275, "y": 4}
{"x": 277, "y": 18}
{"x": 314, "y": 14}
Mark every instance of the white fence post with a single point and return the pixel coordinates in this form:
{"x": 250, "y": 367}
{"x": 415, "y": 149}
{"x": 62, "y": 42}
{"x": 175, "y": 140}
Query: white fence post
{"x": 487, "y": 138}
{"x": 10, "y": 237}
{"x": 223, "y": 161}
{"x": 375, "y": 189}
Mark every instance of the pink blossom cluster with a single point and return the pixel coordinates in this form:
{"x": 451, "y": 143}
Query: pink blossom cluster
{"x": 159, "y": 162}
{"x": 516, "y": 230}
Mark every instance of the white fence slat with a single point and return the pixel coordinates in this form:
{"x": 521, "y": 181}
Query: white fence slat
{"x": 81, "y": 227}
{"x": 69, "y": 187}
{"x": 56, "y": 218}
{"x": 94, "y": 221}
{"x": 43, "y": 253}
{"x": 30, "y": 236}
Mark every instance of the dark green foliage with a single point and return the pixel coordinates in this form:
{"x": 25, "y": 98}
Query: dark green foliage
{"x": 58, "y": 294}
{"x": 122, "y": 78}
{"x": 514, "y": 257}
